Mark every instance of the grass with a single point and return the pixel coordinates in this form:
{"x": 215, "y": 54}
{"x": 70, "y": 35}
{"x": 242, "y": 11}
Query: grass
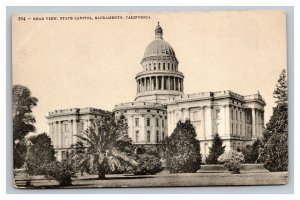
{"x": 168, "y": 180}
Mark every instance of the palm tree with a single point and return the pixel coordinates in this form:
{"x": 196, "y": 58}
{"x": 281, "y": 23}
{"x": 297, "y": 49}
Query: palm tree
{"x": 106, "y": 146}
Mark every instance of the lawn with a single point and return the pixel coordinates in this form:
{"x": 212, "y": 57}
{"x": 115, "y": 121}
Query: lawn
{"x": 167, "y": 179}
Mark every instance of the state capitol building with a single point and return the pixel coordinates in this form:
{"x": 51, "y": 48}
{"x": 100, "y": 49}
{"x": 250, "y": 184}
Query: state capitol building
{"x": 160, "y": 103}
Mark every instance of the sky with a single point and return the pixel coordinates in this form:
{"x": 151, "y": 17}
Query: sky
{"x": 93, "y": 63}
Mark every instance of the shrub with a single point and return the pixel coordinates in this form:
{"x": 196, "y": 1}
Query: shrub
{"x": 148, "y": 164}
{"x": 40, "y": 152}
{"x": 215, "y": 150}
{"x": 183, "y": 149}
{"x": 232, "y": 160}
{"x": 63, "y": 172}
{"x": 251, "y": 152}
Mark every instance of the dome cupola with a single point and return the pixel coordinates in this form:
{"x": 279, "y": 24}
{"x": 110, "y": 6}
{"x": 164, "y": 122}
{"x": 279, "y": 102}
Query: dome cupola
{"x": 160, "y": 78}
{"x": 158, "y": 32}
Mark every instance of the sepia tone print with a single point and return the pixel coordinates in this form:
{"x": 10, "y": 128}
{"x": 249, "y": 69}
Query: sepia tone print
{"x": 150, "y": 99}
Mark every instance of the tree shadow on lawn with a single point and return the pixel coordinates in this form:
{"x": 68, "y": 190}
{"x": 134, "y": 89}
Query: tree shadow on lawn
{"x": 124, "y": 177}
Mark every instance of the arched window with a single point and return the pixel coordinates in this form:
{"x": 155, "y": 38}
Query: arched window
{"x": 137, "y": 135}
{"x": 148, "y": 136}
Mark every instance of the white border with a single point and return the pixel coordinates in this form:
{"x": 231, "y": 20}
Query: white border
{"x": 5, "y": 3}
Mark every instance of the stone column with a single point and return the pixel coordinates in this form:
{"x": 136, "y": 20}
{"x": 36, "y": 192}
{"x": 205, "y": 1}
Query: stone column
{"x": 71, "y": 132}
{"x": 56, "y": 134}
{"x": 146, "y": 83}
{"x": 202, "y": 113}
{"x": 257, "y": 123}
{"x": 209, "y": 122}
{"x": 179, "y": 84}
{"x": 174, "y": 86}
{"x": 182, "y": 85}
{"x": 62, "y": 135}
{"x": 150, "y": 88}
{"x": 168, "y": 121}
{"x": 226, "y": 120}
{"x": 253, "y": 123}
{"x": 75, "y": 131}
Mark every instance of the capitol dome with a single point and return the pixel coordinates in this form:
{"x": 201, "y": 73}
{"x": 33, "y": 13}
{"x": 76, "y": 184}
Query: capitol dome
{"x": 159, "y": 79}
{"x": 159, "y": 47}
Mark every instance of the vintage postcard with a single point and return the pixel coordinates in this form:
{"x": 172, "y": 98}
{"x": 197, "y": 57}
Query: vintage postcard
{"x": 150, "y": 99}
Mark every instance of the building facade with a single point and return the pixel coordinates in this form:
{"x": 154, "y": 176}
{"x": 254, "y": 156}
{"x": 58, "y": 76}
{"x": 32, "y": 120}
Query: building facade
{"x": 160, "y": 103}
{"x": 65, "y": 125}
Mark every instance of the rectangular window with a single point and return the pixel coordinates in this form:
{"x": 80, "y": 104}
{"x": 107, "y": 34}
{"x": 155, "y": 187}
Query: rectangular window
{"x": 241, "y": 129}
{"x": 148, "y": 136}
{"x": 137, "y": 122}
{"x": 157, "y": 136}
{"x": 81, "y": 126}
{"x": 217, "y": 128}
{"x": 232, "y": 114}
{"x": 66, "y": 128}
{"x": 218, "y": 114}
{"x": 236, "y": 115}
{"x": 163, "y": 123}
{"x": 157, "y": 123}
{"x": 148, "y": 121}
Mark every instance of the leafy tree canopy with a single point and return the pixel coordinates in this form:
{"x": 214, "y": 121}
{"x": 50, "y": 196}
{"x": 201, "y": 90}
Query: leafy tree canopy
{"x": 23, "y": 120}
{"x": 274, "y": 154}
{"x": 40, "y": 152}
{"x": 281, "y": 91}
{"x": 215, "y": 150}
{"x": 106, "y": 147}
{"x": 183, "y": 149}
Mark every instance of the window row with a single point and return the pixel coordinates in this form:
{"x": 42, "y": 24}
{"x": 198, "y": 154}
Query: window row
{"x": 158, "y": 137}
{"x": 148, "y": 122}
{"x": 161, "y": 66}
{"x": 238, "y": 129}
{"x": 238, "y": 115}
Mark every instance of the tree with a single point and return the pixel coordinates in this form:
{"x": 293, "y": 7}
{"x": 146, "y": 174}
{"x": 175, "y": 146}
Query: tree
{"x": 215, "y": 150}
{"x": 232, "y": 161}
{"x": 274, "y": 154}
{"x": 23, "y": 121}
{"x": 183, "y": 149}
{"x": 281, "y": 91}
{"x": 40, "y": 152}
{"x": 251, "y": 152}
{"x": 148, "y": 164}
{"x": 63, "y": 172}
{"x": 107, "y": 147}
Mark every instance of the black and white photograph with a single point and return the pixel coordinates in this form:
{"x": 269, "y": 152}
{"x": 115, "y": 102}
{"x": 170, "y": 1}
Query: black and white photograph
{"x": 150, "y": 99}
